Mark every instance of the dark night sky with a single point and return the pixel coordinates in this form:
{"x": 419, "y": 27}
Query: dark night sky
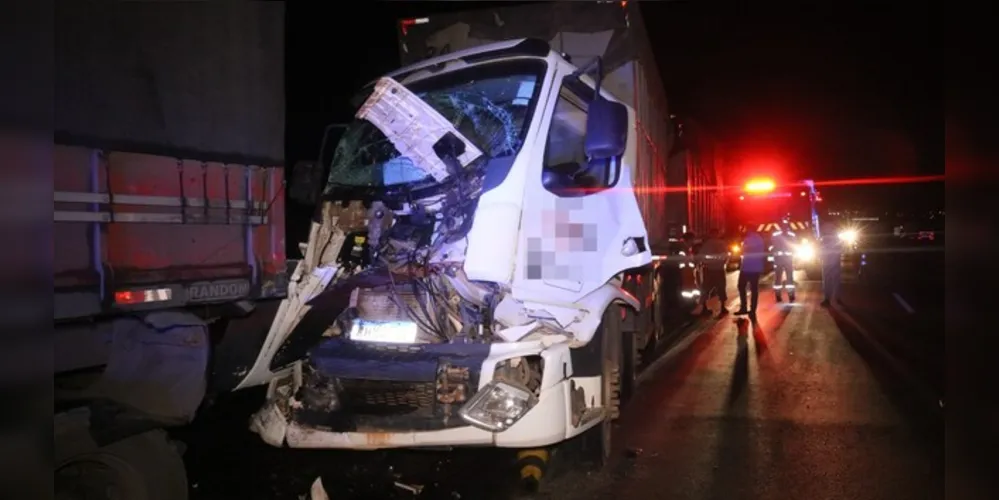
{"x": 836, "y": 92}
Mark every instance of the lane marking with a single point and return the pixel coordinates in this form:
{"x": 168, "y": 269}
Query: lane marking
{"x": 905, "y": 305}
{"x": 920, "y": 387}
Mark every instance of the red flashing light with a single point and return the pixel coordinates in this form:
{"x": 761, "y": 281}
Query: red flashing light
{"x": 760, "y": 186}
{"x": 804, "y": 193}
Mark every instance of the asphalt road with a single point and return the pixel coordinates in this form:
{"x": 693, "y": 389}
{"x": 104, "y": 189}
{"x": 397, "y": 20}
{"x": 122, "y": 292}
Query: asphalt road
{"x": 900, "y": 303}
{"x": 796, "y": 408}
{"x": 814, "y": 403}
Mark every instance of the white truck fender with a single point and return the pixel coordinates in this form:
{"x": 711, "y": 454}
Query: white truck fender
{"x": 595, "y": 304}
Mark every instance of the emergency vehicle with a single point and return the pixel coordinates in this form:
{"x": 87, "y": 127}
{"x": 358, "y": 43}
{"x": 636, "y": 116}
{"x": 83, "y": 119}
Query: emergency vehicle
{"x": 761, "y": 204}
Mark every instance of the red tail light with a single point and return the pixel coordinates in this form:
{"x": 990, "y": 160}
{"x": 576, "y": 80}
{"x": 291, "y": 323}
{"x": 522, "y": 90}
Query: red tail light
{"x": 142, "y": 296}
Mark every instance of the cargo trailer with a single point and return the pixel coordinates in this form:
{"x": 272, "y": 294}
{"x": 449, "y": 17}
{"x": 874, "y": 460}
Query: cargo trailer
{"x": 168, "y": 235}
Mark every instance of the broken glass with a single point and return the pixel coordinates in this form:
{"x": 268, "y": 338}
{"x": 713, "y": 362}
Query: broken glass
{"x": 490, "y": 104}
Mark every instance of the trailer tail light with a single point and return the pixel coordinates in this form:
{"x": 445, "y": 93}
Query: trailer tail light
{"x": 134, "y": 297}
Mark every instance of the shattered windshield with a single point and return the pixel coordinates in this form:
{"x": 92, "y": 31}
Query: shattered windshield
{"x": 490, "y": 104}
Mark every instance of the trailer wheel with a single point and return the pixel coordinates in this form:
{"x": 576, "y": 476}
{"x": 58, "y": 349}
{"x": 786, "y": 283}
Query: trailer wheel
{"x": 142, "y": 467}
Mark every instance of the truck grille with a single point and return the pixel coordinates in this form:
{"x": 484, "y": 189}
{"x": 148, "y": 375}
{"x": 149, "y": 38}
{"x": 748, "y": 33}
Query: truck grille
{"x": 377, "y": 397}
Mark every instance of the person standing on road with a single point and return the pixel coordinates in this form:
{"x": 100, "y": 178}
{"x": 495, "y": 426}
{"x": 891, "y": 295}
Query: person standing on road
{"x": 690, "y": 279}
{"x": 832, "y": 254}
{"x": 754, "y": 255}
{"x": 713, "y": 255}
{"x": 782, "y": 246}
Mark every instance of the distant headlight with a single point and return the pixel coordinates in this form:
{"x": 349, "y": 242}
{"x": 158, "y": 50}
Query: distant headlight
{"x": 805, "y": 252}
{"x": 849, "y": 236}
{"x": 736, "y": 249}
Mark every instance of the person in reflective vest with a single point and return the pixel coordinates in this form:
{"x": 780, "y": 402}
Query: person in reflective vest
{"x": 782, "y": 248}
{"x": 832, "y": 253}
{"x": 754, "y": 255}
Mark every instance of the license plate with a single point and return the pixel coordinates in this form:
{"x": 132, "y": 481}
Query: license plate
{"x": 391, "y": 332}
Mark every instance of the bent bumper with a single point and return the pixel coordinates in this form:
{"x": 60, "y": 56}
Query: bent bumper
{"x": 284, "y": 420}
{"x": 543, "y": 425}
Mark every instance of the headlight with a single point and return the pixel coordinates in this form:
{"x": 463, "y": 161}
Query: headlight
{"x": 736, "y": 249}
{"x": 497, "y": 406}
{"x": 392, "y": 332}
{"x": 806, "y": 252}
{"x": 849, "y": 236}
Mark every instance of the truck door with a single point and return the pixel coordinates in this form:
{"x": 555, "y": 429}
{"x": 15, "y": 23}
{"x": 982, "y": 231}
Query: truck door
{"x": 581, "y": 222}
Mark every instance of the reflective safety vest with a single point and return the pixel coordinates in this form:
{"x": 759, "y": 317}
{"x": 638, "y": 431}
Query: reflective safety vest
{"x": 782, "y": 243}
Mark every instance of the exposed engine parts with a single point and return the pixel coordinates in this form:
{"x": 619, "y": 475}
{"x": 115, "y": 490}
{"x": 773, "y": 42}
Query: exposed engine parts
{"x": 525, "y": 372}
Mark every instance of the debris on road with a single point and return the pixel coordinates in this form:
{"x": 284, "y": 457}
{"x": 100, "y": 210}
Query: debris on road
{"x": 412, "y": 488}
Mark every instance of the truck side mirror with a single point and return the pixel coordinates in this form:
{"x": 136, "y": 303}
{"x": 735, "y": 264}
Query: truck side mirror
{"x": 306, "y": 183}
{"x": 606, "y": 129}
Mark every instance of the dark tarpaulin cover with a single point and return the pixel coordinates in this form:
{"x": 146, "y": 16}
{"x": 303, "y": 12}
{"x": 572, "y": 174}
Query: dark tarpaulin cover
{"x": 172, "y": 76}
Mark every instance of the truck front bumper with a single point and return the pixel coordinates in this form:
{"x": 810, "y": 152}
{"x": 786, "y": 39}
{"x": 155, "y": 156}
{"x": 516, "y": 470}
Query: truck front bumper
{"x": 425, "y": 416}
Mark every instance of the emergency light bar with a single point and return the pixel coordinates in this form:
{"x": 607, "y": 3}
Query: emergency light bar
{"x": 760, "y": 186}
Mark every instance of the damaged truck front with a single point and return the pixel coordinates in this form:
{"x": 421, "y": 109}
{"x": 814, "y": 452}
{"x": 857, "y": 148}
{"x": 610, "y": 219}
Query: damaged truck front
{"x": 461, "y": 284}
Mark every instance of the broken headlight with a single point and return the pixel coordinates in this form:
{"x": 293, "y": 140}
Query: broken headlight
{"x": 498, "y": 405}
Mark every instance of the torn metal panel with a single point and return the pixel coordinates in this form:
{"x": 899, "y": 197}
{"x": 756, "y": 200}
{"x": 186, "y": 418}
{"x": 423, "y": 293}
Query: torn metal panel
{"x": 413, "y": 127}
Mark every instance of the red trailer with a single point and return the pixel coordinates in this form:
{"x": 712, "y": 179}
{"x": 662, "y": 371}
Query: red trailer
{"x": 168, "y": 229}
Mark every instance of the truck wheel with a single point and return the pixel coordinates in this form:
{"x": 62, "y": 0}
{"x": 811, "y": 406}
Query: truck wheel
{"x": 142, "y": 467}
{"x": 631, "y": 359}
{"x": 599, "y": 438}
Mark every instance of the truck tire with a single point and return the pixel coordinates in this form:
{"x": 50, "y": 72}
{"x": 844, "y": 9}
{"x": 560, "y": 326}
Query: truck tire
{"x": 141, "y": 467}
{"x": 599, "y": 439}
{"x": 631, "y": 359}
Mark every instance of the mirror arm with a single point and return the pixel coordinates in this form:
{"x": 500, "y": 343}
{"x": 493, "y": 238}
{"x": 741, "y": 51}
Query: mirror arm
{"x": 599, "y": 63}
{"x": 599, "y": 79}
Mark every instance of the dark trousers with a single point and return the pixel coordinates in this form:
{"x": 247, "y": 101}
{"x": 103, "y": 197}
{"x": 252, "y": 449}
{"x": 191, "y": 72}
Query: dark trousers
{"x": 752, "y": 282}
{"x": 714, "y": 280}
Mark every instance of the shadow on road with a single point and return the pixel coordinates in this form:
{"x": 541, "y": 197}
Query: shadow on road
{"x": 740, "y": 371}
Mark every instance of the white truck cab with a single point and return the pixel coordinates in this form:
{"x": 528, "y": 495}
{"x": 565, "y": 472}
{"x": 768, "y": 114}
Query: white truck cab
{"x": 461, "y": 284}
